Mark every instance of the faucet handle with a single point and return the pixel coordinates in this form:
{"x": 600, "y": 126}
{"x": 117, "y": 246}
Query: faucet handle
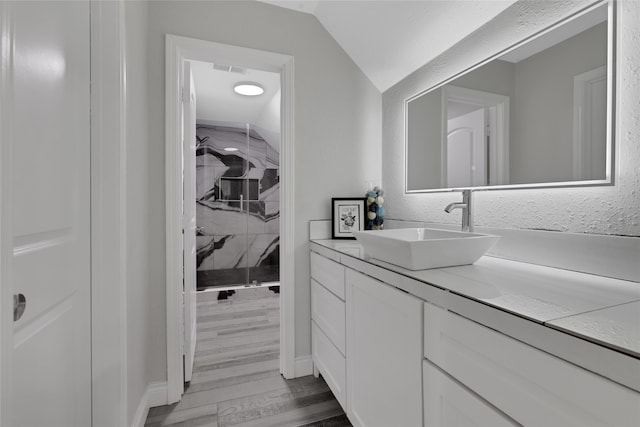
{"x": 466, "y": 206}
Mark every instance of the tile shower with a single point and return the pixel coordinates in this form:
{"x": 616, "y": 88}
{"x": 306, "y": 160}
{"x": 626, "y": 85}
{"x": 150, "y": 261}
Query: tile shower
{"x": 237, "y": 206}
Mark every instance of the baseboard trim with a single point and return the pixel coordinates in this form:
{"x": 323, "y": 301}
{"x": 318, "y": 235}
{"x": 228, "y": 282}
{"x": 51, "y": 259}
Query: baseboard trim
{"x": 141, "y": 413}
{"x": 154, "y": 395}
{"x": 157, "y": 393}
{"x": 303, "y": 366}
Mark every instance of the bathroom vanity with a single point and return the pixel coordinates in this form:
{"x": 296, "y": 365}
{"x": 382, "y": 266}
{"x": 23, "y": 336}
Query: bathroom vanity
{"x": 546, "y": 331}
{"x": 495, "y": 343}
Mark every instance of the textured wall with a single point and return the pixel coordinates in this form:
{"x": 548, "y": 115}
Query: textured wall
{"x": 603, "y": 210}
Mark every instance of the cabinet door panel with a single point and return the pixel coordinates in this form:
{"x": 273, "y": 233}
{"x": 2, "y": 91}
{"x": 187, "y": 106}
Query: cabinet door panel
{"x": 328, "y": 273}
{"x": 384, "y": 354}
{"x": 449, "y": 404}
{"x": 531, "y": 386}
{"x": 329, "y": 362}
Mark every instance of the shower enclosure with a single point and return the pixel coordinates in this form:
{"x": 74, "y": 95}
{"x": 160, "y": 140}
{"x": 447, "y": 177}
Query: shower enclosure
{"x": 237, "y": 205}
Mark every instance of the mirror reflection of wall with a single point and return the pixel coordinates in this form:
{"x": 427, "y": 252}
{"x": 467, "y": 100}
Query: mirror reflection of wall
{"x": 536, "y": 115}
{"x": 543, "y": 103}
{"x": 424, "y": 121}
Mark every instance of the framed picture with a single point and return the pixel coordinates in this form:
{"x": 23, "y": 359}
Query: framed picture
{"x": 347, "y": 215}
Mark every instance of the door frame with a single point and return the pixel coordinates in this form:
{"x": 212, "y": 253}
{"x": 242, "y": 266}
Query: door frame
{"x": 177, "y": 50}
{"x": 6, "y": 251}
{"x": 583, "y": 142}
{"x": 110, "y": 395}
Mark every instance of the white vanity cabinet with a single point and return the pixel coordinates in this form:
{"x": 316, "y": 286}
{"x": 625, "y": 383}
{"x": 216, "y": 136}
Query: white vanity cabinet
{"x": 384, "y": 354}
{"x": 406, "y": 352}
{"x": 328, "y": 332}
{"x": 447, "y": 403}
{"x": 532, "y": 387}
{"x": 366, "y": 341}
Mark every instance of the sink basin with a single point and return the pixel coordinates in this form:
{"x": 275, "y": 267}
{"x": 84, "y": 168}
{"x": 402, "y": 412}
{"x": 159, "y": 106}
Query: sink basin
{"x": 423, "y": 248}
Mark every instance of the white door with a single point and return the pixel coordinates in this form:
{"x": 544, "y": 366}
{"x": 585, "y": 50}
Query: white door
{"x": 466, "y": 150}
{"x": 189, "y": 217}
{"x": 45, "y": 231}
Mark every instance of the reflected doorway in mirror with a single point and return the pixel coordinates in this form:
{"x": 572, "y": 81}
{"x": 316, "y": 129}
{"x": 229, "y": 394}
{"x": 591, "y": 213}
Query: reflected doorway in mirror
{"x": 475, "y": 138}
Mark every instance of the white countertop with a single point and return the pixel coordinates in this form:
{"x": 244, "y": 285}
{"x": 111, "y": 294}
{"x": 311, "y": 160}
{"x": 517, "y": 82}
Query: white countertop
{"x": 617, "y": 327}
{"x": 599, "y": 309}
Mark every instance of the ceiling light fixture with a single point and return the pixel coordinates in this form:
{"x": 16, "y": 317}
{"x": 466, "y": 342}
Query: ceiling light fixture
{"x": 230, "y": 149}
{"x": 248, "y": 88}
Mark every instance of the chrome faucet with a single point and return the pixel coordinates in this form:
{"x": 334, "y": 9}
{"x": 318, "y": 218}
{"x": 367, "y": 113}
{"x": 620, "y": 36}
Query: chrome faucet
{"x": 465, "y": 205}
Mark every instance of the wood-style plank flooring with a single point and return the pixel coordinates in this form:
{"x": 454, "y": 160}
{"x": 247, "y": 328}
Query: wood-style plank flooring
{"x": 236, "y": 379}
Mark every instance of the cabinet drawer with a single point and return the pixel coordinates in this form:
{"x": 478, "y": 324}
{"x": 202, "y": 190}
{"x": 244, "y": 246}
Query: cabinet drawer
{"x": 449, "y": 404}
{"x": 530, "y": 386}
{"x": 330, "y": 363}
{"x": 328, "y": 311}
{"x": 328, "y": 273}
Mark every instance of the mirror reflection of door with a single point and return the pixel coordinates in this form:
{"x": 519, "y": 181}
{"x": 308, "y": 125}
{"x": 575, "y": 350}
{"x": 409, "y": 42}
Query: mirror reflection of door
{"x": 466, "y": 150}
{"x": 475, "y": 138}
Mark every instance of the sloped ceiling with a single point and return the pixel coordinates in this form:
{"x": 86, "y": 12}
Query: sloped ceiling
{"x": 390, "y": 39}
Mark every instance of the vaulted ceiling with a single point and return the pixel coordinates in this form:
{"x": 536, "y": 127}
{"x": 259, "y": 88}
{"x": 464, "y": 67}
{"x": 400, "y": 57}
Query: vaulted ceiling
{"x": 389, "y": 39}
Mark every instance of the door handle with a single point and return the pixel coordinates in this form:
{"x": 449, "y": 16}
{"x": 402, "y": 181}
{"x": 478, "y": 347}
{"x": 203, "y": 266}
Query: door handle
{"x": 19, "y": 305}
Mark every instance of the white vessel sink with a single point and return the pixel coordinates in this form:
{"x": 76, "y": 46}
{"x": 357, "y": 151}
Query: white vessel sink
{"x": 423, "y": 248}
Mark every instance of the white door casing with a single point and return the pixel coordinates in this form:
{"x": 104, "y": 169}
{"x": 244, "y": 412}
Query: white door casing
{"x": 590, "y": 124}
{"x": 178, "y": 50}
{"x": 189, "y": 217}
{"x": 45, "y": 228}
{"x": 109, "y": 257}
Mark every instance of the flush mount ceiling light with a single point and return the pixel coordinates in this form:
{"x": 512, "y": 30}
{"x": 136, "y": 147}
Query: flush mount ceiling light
{"x": 248, "y": 89}
{"x": 230, "y": 149}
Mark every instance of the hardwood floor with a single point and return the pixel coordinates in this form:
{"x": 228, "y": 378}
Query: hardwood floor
{"x": 236, "y": 379}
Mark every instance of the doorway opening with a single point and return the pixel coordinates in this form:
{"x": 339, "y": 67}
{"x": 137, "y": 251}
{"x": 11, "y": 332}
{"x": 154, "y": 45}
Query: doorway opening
{"x": 237, "y": 204}
{"x": 238, "y": 198}
{"x": 237, "y": 177}
{"x": 238, "y": 192}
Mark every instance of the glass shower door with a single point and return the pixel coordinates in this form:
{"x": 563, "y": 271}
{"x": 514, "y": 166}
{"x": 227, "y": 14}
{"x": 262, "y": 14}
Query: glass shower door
{"x": 263, "y": 208}
{"x": 237, "y": 207}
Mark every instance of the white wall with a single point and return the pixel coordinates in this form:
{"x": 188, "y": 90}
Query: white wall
{"x": 268, "y": 122}
{"x": 137, "y": 240}
{"x": 607, "y": 210}
{"x": 337, "y": 129}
